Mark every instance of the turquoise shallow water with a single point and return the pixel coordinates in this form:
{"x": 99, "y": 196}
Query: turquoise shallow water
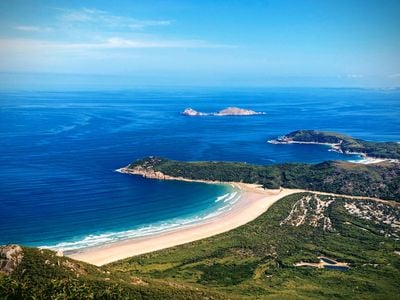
{"x": 59, "y": 152}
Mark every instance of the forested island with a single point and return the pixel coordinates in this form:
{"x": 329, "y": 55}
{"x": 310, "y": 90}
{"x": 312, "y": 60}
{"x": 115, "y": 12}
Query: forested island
{"x": 342, "y": 143}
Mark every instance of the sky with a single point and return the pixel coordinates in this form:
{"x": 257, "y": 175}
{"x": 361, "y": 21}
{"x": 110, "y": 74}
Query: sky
{"x": 201, "y": 43}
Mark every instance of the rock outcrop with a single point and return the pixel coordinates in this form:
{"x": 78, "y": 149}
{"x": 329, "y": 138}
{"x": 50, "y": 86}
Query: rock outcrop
{"x": 229, "y": 111}
{"x": 236, "y": 111}
{"x": 10, "y": 257}
{"x": 144, "y": 172}
{"x": 191, "y": 112}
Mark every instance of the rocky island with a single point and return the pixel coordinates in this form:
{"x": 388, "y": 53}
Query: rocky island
{"x": 374, "y": 151}
{"x": 191, "y": 112}
{"x": 229, "y": 111}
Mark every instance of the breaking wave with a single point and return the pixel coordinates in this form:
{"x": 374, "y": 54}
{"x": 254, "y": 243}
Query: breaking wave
{"x": 94, "y": 240}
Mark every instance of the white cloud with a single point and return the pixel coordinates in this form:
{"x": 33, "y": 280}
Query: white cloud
{"x": 104, "y": 19}
{"x": 111, "y": 43}
{"x": 85, "y": 20}
{"x": 33, "y": 28}
{"x": 354, "y": 76}
{"x": 396, "y": 75}
{"x": 87, "y": 36}
{"x": 116, "y": 42}
{"x": 108, "y": 36}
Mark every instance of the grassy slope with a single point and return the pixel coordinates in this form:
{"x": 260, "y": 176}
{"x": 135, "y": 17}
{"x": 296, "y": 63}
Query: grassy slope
{"x": 252, "y": 261}
{"x": 43, "y": 275}
{"x": 256, "y": 260}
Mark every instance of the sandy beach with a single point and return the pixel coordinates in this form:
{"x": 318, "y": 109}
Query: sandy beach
{"x": 253, "y": 202}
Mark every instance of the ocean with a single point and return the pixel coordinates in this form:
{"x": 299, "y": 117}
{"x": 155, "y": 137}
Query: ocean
{"x": 59, "y": 151}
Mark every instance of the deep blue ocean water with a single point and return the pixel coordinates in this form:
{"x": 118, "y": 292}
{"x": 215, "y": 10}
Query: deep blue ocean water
{"x": 59, "y": 151}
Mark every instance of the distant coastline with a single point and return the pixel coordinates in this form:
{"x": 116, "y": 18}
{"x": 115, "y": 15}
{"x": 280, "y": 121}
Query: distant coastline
{"x": 342, "y": 144}
{"x": 336, "y": 148}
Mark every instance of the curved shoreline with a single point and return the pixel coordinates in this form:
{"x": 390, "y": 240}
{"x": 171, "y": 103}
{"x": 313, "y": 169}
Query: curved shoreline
{"x": 364, "y": 158}
{"x": 253, "y": 202}
{"x": 219, "y": 205}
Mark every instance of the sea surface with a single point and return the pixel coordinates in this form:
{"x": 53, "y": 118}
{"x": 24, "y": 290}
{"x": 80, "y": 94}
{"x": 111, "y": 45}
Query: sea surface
{"x": 59, "y": 151}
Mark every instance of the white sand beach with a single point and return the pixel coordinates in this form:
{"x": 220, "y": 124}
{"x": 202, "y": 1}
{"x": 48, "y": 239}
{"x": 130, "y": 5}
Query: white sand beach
{"x": 253, "y": 202}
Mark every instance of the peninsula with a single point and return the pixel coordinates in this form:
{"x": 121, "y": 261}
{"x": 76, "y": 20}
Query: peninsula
{"x": 229, "y": 111}
{"x": 375, "y": 151}
{"x": 260, "y": 187}
{"x": 380, "y": 180}
{"x": 310, "y": 237}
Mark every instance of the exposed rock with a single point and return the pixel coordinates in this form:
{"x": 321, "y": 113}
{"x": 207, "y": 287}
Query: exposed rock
{"x": 10, "y": 257}
{"x": 229, "y": 111}
{"x": 314, "y": 211}
{"x": 236, "y": 111}
{"x": 74, "y": 267}
{"x": 138, "y": 281}
{"x": 146, "y": 169}
{"x": 310, "y": 210}
{"x": 378, "y": 213}
{"x": 145, "y": 172}
{"x": 191, "y": 112}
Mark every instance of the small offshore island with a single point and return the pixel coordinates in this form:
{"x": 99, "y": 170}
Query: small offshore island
{"x": 229, "y": 111}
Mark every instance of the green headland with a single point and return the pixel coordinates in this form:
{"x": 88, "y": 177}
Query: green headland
{"x": 280, "y": 255}
{"x": 343, "y": 143}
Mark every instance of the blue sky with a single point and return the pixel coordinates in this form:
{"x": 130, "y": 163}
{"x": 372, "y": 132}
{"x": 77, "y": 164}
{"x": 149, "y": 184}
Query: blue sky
{"x": 218, "y": 43}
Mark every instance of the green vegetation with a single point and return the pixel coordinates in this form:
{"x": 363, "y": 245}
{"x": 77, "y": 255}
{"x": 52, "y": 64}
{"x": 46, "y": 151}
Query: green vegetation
{"x": 43, "y": 275}
{"x": 254, "y": 261}
{"x": 257, "y": 259}
{"x": 374, "y": 180}
{"x": 390, "y": 150}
